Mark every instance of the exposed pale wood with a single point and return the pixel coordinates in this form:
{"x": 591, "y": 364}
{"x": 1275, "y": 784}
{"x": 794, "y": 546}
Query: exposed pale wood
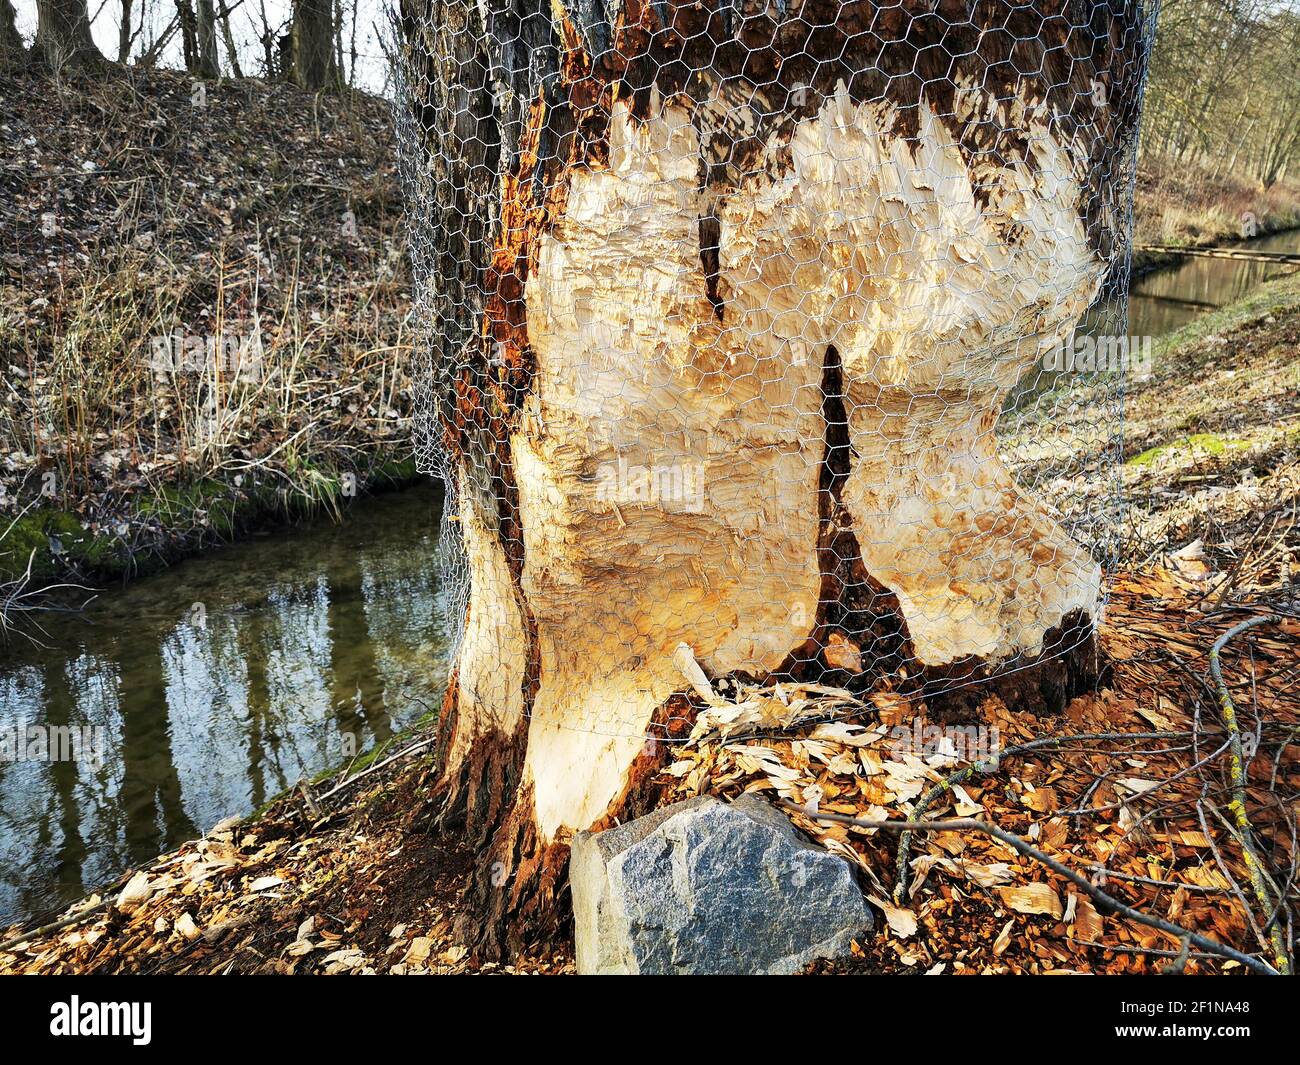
{"x": 635, "y": 370}
{"x": 868, "y": 243}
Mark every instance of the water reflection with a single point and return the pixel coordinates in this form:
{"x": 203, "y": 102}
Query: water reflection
{"x": 1168, "y": 299}
{"x": 216, "y": 685}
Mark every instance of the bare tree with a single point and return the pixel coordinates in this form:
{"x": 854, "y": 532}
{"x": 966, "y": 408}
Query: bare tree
{"x": 268, "y": 38}
{"x": 232, "y": 51}
{"x": 1223, "y": 90}
{"x": 189, "y": 34}
{"x": 124, "y": 33}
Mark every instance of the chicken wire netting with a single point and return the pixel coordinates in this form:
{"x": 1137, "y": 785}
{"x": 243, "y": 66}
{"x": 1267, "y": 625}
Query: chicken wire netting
{"x": 791, "y": 332}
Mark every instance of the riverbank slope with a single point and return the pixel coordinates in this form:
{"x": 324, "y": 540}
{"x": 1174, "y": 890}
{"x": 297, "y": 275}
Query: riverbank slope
{"x": 203, "y": 293}
{"x": 1210, "y": 459}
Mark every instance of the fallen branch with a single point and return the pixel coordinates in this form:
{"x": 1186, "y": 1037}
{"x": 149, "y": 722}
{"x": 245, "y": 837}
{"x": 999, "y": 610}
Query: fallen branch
{"x": 968, "y": 824}
{"x": 374, "y": 769}
{"x": 990, "y": 765}
{"x": 1237, "y": 807}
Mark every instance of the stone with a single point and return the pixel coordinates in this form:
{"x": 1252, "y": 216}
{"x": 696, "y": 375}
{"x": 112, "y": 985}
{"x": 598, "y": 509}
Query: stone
{"x": 705, "y": 886}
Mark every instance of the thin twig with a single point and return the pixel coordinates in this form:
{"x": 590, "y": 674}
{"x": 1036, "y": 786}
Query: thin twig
{"x": 969, "y": 824}
{"x": 991, "y": 765}
{"x": 374, "y": 769}
{"x": 1238, "y": 805}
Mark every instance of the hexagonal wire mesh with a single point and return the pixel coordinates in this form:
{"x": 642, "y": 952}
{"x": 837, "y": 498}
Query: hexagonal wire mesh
{"x": 746, "y": 324}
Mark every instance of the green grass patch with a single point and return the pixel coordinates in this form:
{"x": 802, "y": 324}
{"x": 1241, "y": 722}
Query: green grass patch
{"x": 1205, "y": 443}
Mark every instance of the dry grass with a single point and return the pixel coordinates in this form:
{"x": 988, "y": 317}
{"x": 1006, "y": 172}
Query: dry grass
{"x": 1185, "y": 204}
{"x": 1210, "y": 469}
{"x": 260, "y": 228}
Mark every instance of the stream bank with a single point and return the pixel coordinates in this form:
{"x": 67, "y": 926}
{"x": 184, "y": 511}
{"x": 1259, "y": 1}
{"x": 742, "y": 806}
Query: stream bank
{"x": 356, "y": 879}
{"x": 1210, "y": 459}
{"x": 203, "y": 308}
{"x": 1213, "y": 444}
{"x": 308, "y": 629}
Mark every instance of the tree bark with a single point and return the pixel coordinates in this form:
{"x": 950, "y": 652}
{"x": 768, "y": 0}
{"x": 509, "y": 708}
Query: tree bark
{"x": 189, "y": 35}
{"x": 313, "y": 44}
{"x": 63, "y": 34}
{"x": 124, "y": 33}
{"x": 207, "y": 64}
{"x": 726, "y": 308}
{"x": 12, "y": 48}
{"x": 232, "y": 51}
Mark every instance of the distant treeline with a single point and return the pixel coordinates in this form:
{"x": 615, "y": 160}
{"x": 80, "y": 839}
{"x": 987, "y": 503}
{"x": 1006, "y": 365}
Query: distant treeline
{"x": 1224, "y": 94}
{"x": 314, "y": 46}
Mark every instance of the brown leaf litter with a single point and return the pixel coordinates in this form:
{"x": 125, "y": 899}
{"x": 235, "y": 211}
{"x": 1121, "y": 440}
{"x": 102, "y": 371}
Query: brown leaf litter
{"x": 369, "y": 888}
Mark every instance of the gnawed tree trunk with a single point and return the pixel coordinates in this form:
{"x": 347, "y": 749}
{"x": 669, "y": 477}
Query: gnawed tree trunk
{"x": 63, "y": 34}
{"x": 727, "y": 298}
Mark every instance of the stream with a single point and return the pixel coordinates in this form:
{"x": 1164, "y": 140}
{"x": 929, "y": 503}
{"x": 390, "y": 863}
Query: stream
{"x": 1165, "y": 300}
{"x": 207, "y": 689}
{"x": 211, "y": 687}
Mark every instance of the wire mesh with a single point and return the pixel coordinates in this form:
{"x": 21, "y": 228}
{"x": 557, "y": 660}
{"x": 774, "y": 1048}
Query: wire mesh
{"x": 749, "y": 325}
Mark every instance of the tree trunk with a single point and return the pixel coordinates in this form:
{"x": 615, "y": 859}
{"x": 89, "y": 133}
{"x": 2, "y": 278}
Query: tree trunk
{"x": 313, "y": 44}
{"x": 63, "y": 34}
{"x": 12, "y": 49}
{"x": 724, "y": 311}
{"x": 189, "y": 35}
{"x": 207, "y": 64}
{"x": 124, "y": 33}
{"x": 232, "y": 51}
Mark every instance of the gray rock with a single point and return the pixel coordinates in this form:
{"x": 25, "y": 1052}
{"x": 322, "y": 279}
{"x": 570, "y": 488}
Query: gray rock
{"x": 705, "y": 886}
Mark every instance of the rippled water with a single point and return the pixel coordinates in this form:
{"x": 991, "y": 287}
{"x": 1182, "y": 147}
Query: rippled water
{"x": 212, "y": 687}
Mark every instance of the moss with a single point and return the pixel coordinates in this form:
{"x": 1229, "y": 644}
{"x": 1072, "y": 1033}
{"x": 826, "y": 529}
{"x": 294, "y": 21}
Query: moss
{"x": 396, "y": 472}
{"x": 55, "y": 541}
{"x": 1208, "y": 443}
{"x": 191, "y": 516}
{"x": 183, "y": 504}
